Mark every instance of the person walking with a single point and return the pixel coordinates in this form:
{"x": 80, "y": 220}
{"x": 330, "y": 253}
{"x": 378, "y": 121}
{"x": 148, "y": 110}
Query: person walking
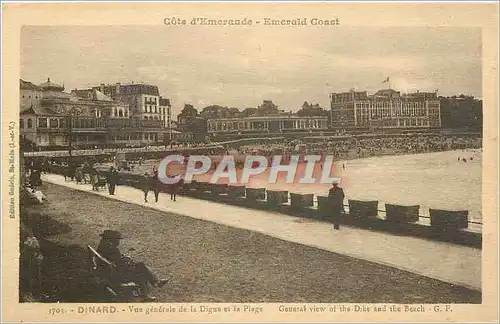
{"x": 79, "y": 174}
{"x": 112, "y": 180}
{"x": 35, "y": 177}
{"x": 336, "y": 197}
{"x": 156, "y": 184}
{"x": 94, "y": 177}
{"x": 146, "y": 185}
{"x": 174, "y": 189}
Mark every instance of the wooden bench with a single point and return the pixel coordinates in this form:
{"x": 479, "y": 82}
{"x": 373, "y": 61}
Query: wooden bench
{"x": 104, "y": 271}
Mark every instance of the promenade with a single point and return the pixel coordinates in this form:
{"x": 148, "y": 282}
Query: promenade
{"x": 450, "y": 263}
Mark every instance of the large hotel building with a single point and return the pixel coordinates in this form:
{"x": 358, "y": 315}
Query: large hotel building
{"x": 131, "y": 114}
{"x": 384, "y": 109}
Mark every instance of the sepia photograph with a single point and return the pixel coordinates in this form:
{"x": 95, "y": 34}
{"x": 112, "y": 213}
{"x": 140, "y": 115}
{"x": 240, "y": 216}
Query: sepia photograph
{"x": 228, "y": 162}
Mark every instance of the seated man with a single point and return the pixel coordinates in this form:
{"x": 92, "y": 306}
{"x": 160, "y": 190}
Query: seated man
{"x": 127, "y": 269}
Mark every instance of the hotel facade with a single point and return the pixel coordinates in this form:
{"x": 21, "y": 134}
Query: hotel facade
{"x": 385, "y": 109}
{"x": 51, "y": 118}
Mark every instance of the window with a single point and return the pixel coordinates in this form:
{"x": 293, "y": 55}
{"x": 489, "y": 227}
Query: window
{"x": 42, "y": 122}
{"x": 120, "y": 113}
{"x": 30, "y": 123}
{"x": 54, "y": 123}
{"x": 21, "y": 123}
{"x": 115, "y": 114}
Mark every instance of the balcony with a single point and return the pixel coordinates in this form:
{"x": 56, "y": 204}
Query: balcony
{"x": 52, "y": 130}
{"x": 147, "y": 123}
{"x": 89, "y": 130}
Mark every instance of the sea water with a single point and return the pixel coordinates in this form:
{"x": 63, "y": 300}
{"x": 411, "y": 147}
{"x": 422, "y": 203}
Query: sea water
{"x": 432, "y": 180}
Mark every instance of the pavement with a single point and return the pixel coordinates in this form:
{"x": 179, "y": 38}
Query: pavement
{"x": 455, "y": 264}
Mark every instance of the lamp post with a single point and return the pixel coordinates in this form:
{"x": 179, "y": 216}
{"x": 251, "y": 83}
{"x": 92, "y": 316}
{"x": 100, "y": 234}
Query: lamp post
{"x": 74, "y": 111}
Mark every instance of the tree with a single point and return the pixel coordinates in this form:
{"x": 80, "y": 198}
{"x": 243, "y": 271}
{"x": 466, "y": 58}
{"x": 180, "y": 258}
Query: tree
{"x": 212, "y": 111}
{"x": 189, "y": 111}
{"x": 461, "y": 112}
{"x": 248, "y": 112}
{"x": 190, "y": 121}
{"x": 234, "y": 112}
{"x": 216, "y": 111}
{"x": 267, "y": 108}
{"x": 311, "y": 110}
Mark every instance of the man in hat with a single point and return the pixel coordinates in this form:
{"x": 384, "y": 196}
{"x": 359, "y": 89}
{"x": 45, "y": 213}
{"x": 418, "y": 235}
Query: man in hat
{"x": 336, "y": 197}
{"x": 127, "y": 269}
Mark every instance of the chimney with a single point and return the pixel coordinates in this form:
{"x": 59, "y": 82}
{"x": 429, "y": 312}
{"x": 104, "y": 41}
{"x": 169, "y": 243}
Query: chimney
{"x": 102, "y": 88}
{"x": 118, "y": 87}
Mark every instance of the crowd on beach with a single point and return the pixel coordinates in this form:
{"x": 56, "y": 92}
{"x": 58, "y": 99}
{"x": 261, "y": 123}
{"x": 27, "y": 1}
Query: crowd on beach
{"x": 353, "y": 147}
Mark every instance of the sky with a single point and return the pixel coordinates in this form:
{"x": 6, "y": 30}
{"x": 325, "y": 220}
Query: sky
{"x": 240, "y": 67}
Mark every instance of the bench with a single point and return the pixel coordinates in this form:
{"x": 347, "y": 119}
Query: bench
{"x": 104, "y": 271}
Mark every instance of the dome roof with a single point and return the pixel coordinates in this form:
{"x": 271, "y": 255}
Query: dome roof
{"x": 49, "y": 85}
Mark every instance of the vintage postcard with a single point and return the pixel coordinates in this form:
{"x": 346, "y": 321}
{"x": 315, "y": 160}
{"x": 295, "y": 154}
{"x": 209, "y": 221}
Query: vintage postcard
{"x": 250, "y": 162}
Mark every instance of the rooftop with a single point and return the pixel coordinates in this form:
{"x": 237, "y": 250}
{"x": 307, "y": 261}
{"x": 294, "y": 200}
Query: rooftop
{"x": 27, "y": 85}
{"x": 51, "y": 85}
{"x": 39, "y": 111}
{"x": 90, "y": 94}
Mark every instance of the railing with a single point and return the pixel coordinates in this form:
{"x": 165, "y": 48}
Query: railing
{"x": 115, "y": 150}
{"x": 380, "y": 211}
